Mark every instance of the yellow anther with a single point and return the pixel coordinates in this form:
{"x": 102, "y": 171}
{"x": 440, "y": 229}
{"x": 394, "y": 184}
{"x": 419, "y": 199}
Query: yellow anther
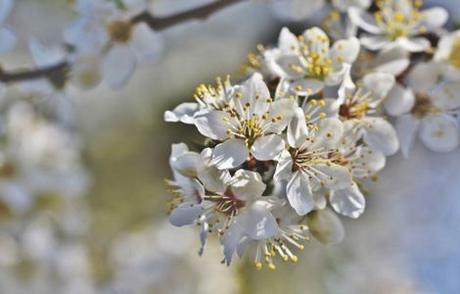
{"x": 322, "y": 103}
{"x": 294, "y": 258}
{"x": 258, "y": 265}
{"x": 322, "y": 115}
{"x": 271, "y": 266}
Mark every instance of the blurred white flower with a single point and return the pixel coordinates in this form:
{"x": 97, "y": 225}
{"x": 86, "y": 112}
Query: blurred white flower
{"x": 306, "y": 64}
{"x": 343, "y": 5}
{"x": 38, "y": 158}
{"x": 7, "y": 37}
{"x": 107, "y": 28}
{"x": 295, "y": 10}
{"x": 398, "y": 22}
{"x": 428, "y": 107}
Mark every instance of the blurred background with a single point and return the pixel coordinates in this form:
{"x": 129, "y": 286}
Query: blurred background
{"x": 406, "y": 242}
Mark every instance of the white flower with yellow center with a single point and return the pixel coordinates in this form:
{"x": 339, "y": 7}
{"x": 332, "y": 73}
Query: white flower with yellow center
{"x": 363, "y": 162}
{"x": 398, "y": 22}
{"x": 360, "y": 107}
{"x": 306, "y": 165}
{"x": 107, "y": 27}
{"x": 308, "y": 63}
{"x": 250, "y": 123}
{"x": 231, "y": 206}
{"x": 289, "y": 239}
{"x": 207, "y": 98}
{"x": 428, "y": 107}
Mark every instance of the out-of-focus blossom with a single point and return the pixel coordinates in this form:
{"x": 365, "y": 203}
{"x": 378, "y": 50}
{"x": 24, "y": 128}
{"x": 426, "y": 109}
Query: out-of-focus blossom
{"x": 38, "y": 159}
{"x": 398, "y": 22}
{"x": 106, "y": 27}
{"x": 7, "y": 37}
{"x": 295, "y": 10}
{"x": 427, "y": 107}
{"x": 151, "y": 259}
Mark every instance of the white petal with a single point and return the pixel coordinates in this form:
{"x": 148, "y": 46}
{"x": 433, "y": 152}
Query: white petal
{"x": 7, "y": 40}
{"x": 424, "y": 76}
{"x": 343, "y": 5}
{"x": 306, "y": 87}
{"x": 230, "y": 154}
{"x": 379, "y": 84}
{"x": 45, "y": 55}
{"x": 212, "y": 124}
{"x": 203, "y": 237}
{"x": 333, "y": 176}
{"x": 247, "y": 185}
{"x": 188, "y": 164}
{"x": 363, "y": 20}
{"x": 288, "y": 42}
{"x": 367, "y": 162}
{"x": 284, "y": 64}
{"x": 284, "y": 167}
{"x": 325, "y": 226}
{"x": 118, "y": 66}
{"x": 256, "y": 93}
{"x": 147, "y": 44}
{"x": 185, "y": 214}
{"x": 393, "y": 60}
{"x": 380, "y": 135}
{"x": 184, "y": 113}
{"x": 399, "y": 101}
{"x": 345, "y": 50}
{"x": 434, "y": 17}
{"x": 312, "y": 36}
{"x": 5, "y": 9}
{"x": 374, "y": 42}
{"x": 214, "y": 179}
{"x": 267, "y": 147}
{"x": 281, "y": 108}
{"x": 448, "y": 97}
{"x": 439, "y": 133}
{"x": 349, "y": 201}
{"x": 299, "y": 193}
{"x": 230, "y": 241}
{"x": 297, "y": 131}
{"x": 414, "y": 44}
{"x": 330, "y": 132}
{"x": 406, "y": 127}
{"x": 258, "y": 222}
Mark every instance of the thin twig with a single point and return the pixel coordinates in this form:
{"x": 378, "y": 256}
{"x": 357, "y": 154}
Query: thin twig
{"x": 154, "y": 22}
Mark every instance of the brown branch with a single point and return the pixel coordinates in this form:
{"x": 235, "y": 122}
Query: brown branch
{"x": 154, "y": 22}
{"x": 21, "y": 75}
{"x": 201, "y": 12}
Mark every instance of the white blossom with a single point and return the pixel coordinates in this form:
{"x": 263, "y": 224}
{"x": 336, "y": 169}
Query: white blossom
{"x": 308, "y": 63}
{"x": 105, "y": 27}
{"x": 427, "y": 107}
{"x": 398, "y": 22}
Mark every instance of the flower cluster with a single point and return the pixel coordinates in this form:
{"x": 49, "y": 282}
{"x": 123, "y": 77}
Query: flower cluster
{"x": 290, "y": 146}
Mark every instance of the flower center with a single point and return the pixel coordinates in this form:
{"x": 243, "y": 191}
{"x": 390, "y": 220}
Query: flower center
{"x": 423, "y": 106}
{"x": 399, "y": 18}
{"x": 120, "y": 31}
{"x": 454, "y": 57}
{"x": 318, "y": 67}
{"x": 227, "y": 203}
{"x": 354, "y": 110}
